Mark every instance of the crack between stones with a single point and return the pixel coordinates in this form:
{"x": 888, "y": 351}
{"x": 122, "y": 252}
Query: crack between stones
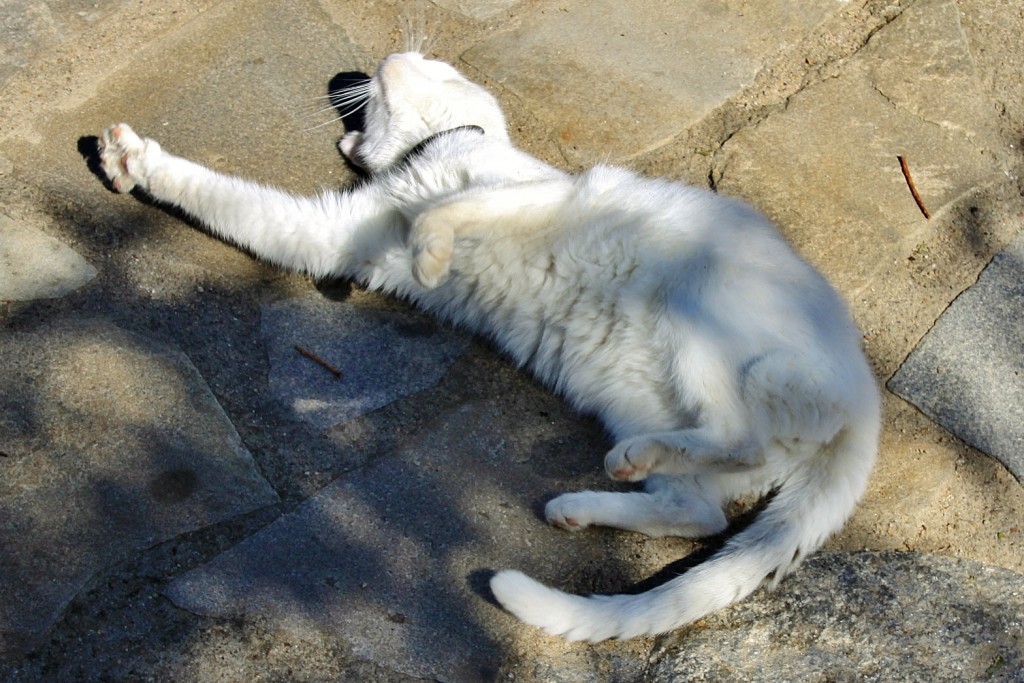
{"x": 929, "y": 331}
{"x": 923, "y": 119}
{"x": 812, "y": 77}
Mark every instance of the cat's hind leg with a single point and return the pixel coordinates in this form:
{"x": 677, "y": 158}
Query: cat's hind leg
{"x": 670, "y": 506}
{"x": 687, "y": 451}
{"x": 792, "y": 401}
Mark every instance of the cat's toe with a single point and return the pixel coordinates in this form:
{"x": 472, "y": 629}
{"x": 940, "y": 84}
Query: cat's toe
{"x": 631, "y": 460}
{"x": 568, "y": 512}
{"x": 111, "y": 159}
{"x": 121, "y": 150}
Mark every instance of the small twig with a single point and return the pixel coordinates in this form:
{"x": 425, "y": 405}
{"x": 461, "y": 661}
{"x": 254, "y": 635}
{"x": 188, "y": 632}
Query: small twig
{"x": 913, "y": 189}
{"x": 319, "y": 361}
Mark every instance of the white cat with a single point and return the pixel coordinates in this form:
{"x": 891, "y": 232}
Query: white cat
{"x": 720, "y": 361}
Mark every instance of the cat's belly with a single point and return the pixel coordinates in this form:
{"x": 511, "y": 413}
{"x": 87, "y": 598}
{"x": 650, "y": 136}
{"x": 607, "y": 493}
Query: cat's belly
{"x": 580, "y": 320}
{"x": 606, "y": 363}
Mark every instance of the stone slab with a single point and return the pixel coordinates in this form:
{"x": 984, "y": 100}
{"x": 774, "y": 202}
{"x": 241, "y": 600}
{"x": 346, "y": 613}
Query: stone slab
{"x": 967, "y": 373}
{"x": 386, "y": 556}
{"x": 826, "y": 168}
{"x": 34, "y": 265}
{"x": 635, "y": 99}
{"x": 31, "y": 26}
{"x": 109, "y": 443}
{"x": 478, "y": 9}
{"x": 861, "y": 617}
{"x": 382, "y": 356}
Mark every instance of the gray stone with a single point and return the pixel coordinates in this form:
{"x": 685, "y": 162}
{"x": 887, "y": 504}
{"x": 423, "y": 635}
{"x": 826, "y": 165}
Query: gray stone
{"x": 861, "y": 617}
{"x": 34, "y": 265}
{"x": 967, "y": 373}
{"x": 381, "y": 356}
{"x": 109, "y": 443}
{"x": 635, "y": 99}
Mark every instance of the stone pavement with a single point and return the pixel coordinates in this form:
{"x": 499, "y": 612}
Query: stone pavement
{"x": 184, "y": 496}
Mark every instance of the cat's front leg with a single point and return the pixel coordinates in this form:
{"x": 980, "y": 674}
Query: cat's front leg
{"x": 686, "y": 451}
{"x": 347, "y": 234}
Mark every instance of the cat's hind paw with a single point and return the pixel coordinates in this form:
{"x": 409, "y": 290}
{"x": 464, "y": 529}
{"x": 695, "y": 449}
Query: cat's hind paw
{"x": 570, "y": 511}
{"x": 633, "y": 459}
{"x": 121, "y": 156}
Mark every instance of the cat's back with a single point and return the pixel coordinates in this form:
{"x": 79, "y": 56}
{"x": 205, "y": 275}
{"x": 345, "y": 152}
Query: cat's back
{"x": 707, "y": 259}
{"x": 675, "y": 232}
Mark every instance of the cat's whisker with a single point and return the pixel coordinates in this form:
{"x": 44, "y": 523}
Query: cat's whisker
{"x": 360, "y": 90}
{"x": 427, "y": 37}
{"x": 321, "y": 125}
{"x": 357, "y": 89}
{"x": 339, "y": 102}
{"x": 344, "y": 103}
{"x": 417, "y": 33}
{"x": 316, "y": 112}
{"x": 351, "y": 108}
{"x": 427, "y": 43}
{"x": 409, "y": 40}
{"x": 347, "y": 99}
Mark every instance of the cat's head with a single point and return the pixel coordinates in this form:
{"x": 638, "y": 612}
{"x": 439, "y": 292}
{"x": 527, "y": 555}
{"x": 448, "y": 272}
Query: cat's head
{"x": 411, "y": 98}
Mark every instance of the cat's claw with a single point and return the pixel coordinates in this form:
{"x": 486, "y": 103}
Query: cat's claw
{"x": 121, "y": 154}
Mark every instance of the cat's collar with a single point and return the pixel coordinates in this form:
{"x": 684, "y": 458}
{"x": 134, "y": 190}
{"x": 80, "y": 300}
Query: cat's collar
{"x": 425, "y": 142}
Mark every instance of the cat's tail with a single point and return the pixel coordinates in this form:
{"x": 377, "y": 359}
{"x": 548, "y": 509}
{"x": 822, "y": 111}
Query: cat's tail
{"x": 810, "y": 506}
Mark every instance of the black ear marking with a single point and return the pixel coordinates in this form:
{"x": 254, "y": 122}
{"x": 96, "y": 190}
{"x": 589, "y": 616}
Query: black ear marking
{"x": 336, "y": 87}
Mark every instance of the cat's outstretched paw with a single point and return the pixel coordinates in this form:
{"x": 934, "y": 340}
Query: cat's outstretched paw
{"x": 122, "y": 154}
{"x": 570, "y": 511}
{"x": 633, "y": 459}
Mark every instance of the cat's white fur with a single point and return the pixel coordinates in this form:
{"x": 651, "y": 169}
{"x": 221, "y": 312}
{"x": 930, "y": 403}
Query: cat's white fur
{"x": 721, "y": 363}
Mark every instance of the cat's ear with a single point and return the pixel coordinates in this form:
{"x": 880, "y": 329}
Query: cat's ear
{"x": 349, "y": 146}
